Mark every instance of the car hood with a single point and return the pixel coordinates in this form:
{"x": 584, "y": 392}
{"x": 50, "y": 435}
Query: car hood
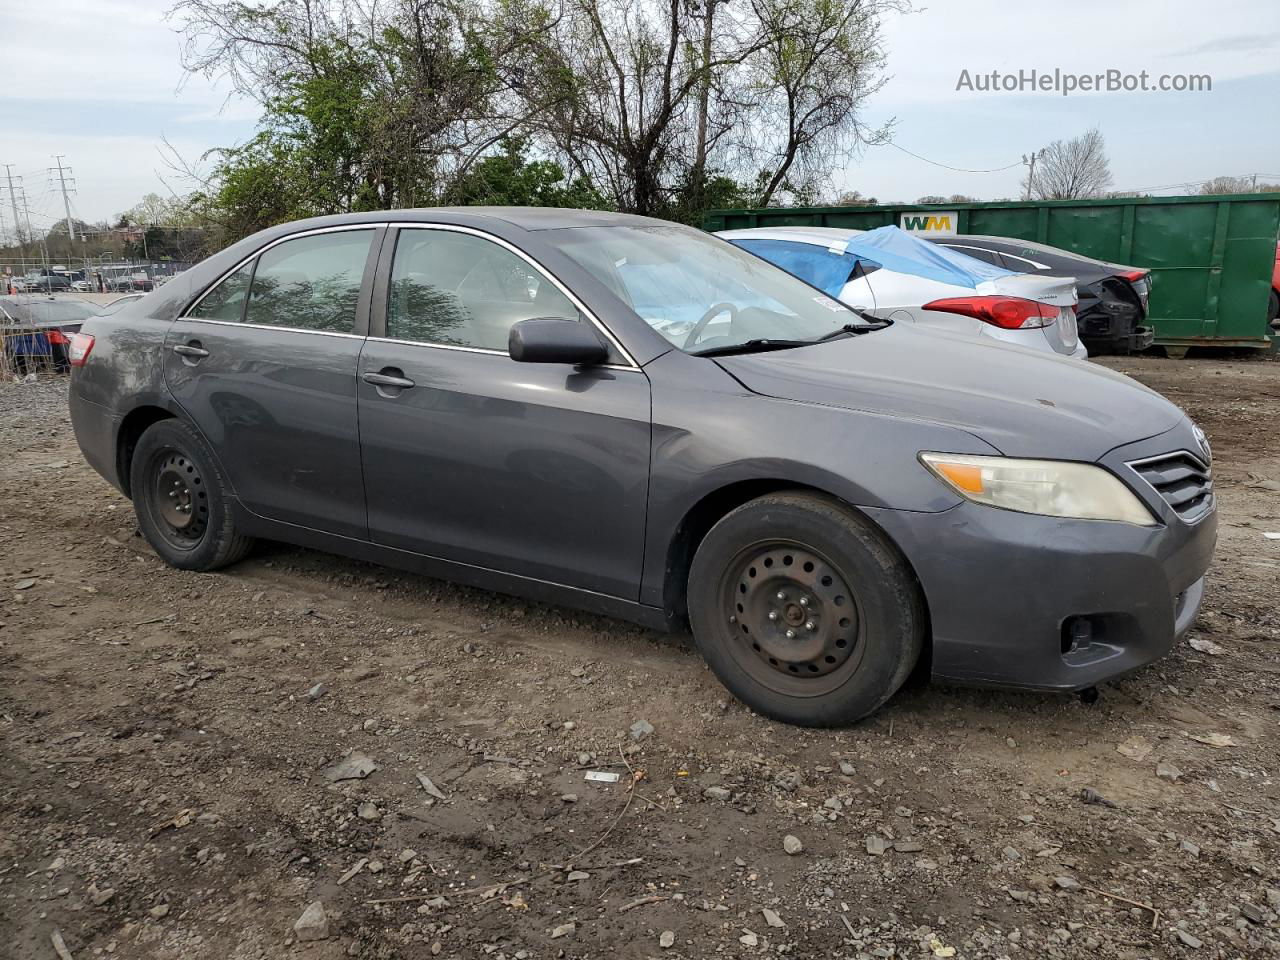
{"x": 1025, "y": 403}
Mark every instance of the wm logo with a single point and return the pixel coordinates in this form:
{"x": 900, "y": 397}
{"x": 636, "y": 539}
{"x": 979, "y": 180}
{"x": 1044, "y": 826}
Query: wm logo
{"x": 926, "y": 223}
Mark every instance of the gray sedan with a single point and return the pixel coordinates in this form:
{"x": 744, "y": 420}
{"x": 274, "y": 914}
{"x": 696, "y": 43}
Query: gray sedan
{"x": 635, "y": 418}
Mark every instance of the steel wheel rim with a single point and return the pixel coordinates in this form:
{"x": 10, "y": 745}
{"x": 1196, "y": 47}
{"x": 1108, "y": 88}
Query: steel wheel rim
{"x": 180, "y": 498}
{"x": 793, "y": 617}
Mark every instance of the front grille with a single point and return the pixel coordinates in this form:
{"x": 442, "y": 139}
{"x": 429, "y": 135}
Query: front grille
{"x": 1183, "y": 480}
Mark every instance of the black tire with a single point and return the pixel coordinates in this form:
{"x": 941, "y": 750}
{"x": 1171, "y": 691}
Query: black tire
{"x": 173, "y": 469}
{"x": 810, "y": 565}
{"x": 1273, "y": 311}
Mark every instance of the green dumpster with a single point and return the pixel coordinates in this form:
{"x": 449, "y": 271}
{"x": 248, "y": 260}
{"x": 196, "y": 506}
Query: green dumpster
{"x": 1211, "y": 257}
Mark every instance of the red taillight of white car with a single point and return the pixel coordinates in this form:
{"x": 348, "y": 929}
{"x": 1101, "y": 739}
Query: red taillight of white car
{"x": 1008, "y": 313}
{"x": 79, "y": 348}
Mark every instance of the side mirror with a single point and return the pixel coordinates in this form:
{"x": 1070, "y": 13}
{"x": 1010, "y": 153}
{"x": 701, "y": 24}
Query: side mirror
{"x": 555, "y": 340}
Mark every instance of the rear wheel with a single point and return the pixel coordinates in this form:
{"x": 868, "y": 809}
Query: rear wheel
{"x": 181, "y": 501}
{"x": 1273, "y": 311}
{"x": 804, "y": 610}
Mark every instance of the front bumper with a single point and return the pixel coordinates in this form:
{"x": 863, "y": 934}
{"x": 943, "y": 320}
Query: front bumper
{"x": 1043, "y": 603}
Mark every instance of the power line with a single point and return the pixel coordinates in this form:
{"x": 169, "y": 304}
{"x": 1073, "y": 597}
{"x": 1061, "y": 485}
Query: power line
{"x": 946, "y": 166}
{"x": 1196, "y": 183}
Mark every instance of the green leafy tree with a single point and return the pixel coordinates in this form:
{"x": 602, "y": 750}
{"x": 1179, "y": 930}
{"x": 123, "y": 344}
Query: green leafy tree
{"x": 510, "y": 178}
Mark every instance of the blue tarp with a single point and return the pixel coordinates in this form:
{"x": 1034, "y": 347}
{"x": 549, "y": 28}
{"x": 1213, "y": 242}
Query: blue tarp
{"x": 25, "y": 344}
{"x": 886, "y": 246}
{"x": 815, "y": 265}
{"x": 895, "y": 249}
{"x": 829, "y": 270}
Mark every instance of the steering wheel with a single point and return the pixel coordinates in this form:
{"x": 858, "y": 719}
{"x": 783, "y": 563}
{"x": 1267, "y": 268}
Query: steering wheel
{"x": 706, "y": 318}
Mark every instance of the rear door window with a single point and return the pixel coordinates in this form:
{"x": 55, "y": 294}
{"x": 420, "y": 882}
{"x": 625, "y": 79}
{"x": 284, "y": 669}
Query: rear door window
{"x": 311, "y": 282}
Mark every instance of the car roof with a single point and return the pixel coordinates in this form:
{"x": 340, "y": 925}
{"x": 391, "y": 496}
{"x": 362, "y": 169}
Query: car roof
{"x": 1025, "y": 248}
{"x": 527, "y": 218}
{"x": 819, "y": 236}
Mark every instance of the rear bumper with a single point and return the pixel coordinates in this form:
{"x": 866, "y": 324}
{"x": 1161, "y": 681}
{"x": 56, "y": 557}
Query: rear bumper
{"x": 1110, "y": 325}
{"x": 1133, "y": 342}
{"x": 1017, "y": 600}
{"x": 96, "y": 429}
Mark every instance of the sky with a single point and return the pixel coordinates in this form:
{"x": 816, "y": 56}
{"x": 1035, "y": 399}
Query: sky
{"x": 101, "y": 83}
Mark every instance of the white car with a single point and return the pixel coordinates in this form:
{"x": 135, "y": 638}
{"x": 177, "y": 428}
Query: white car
{"x": 890, "y": 274}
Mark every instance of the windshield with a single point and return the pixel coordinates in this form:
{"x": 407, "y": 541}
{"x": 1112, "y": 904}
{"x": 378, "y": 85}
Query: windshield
{"x": 699, "y": 292}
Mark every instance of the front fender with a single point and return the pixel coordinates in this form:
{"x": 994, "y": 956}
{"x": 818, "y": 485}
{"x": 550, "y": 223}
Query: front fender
{"x": 711, "y": 434}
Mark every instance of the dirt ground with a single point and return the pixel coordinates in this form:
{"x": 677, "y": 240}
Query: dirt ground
{"x": 168, "y": 738}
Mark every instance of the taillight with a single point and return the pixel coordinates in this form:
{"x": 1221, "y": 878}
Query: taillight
{"x": 1008, "y": 313}
{"x": 78, "y": 349}
{"x": 58, "y": 337}
{"x": 1140, "y": 280}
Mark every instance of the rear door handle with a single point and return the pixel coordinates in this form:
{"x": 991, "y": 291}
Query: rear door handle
{"x": 389, "y": 377}
{"x": 190, "y": 349}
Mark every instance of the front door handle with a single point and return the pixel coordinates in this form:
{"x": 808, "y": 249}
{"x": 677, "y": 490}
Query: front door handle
{"x": 389, "y": 377}
{"x": 191, "y": 351}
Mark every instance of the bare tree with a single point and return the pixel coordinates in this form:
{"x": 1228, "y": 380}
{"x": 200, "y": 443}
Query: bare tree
{"x": 620, "y": 85}
{"x": 1071, "y": 169}
{"x": 820, "y": 60}
{"x": 1250, "y": 184}
{"x": 706, "y": 10}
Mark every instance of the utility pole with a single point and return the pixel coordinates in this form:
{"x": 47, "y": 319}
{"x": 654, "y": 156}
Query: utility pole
{"x": 1030, "y": 161}
{"x": 44, "y": 247}
{"x": 13, "y": 202}
{"x": 66, "y": 203}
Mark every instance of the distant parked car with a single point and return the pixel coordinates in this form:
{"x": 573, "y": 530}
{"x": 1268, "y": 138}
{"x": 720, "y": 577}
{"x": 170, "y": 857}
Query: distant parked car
{"x": 1112, "y": 315}
{"x": 892, "y": 274}
{"x": 56, "y": 282}
{"x": 47, "y": 283}
{"x": 37, "y": 330}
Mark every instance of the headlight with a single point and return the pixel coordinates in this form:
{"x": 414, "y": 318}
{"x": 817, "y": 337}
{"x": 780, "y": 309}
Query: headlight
{"x": 1052, "y": 488}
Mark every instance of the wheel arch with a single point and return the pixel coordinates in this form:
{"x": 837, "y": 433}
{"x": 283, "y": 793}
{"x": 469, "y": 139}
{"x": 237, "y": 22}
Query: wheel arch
{"x": 706, "y": 512}
{"x": 131, "y": 429}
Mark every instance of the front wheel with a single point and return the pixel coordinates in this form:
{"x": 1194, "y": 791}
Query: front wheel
{"x": 804, "y": 610}
{"x": 182, "y": 503}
